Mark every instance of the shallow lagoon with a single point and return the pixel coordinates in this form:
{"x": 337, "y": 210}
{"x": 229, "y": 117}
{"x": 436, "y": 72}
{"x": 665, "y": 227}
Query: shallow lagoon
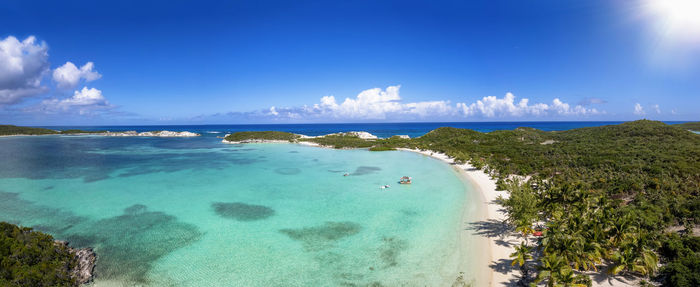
{"x": 196, "y": 212}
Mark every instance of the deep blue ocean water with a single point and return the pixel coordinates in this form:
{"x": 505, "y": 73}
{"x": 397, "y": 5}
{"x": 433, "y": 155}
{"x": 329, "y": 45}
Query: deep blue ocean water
{"x": 379, "y": 129}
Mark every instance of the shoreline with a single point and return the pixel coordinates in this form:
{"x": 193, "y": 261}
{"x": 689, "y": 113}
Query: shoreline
{"x": 498, "y": 246}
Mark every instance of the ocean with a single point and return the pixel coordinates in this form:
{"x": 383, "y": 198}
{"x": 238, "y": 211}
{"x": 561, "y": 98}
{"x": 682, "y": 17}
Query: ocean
{"x": 382, "y": 130}
{"x": 198, "y": 212}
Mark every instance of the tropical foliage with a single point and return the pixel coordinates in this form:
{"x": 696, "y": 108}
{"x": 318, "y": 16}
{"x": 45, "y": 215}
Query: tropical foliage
{"x": 693, "y": 126}
{"x": 6, "y": 130}
{"x": 31, "y": 258}
{"x": 604, "y": 195}
{"x": 263, "y": 135}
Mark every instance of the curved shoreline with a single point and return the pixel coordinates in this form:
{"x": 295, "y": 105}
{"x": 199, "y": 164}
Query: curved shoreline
{"x": 499, "y": 246}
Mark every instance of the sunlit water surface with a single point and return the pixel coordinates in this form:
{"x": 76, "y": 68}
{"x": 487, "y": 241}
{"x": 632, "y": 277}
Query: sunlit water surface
{"x": 196, "y": 212}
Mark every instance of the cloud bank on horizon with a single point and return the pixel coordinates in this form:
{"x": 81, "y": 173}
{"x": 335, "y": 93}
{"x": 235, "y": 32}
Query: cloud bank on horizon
{"x": 378, "y": 104}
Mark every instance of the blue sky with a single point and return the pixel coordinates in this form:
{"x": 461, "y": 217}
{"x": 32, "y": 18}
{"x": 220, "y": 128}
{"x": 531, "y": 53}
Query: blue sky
{"x": 179, "y": 62}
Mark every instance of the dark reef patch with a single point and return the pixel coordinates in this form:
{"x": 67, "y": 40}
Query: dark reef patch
{"x": 335, "y": 171}
{"x": 129, "y": 244}
{"x": 409, "y": 212}
{"x": 82, "y": 158}
{"x": 323, "y": 236}
{"x": 15, "y": 210}
{"x": 390, "y": 249}
{"x": 362, "y": 170}
{"x": 293, "y": 151}
{"x": 241, "y": 211}
{"x": 126, "y": 245}
{"x": 288, "y": 170}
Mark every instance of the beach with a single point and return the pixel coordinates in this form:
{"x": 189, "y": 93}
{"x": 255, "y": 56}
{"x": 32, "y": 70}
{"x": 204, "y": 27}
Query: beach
{"x": 490, "y": 228}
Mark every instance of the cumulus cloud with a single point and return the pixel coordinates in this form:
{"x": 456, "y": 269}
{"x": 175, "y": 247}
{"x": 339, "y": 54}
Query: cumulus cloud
{"x": 68, "y": 75}
{"x": 657, "y": 109}
{"x": 378, "y": 104}
{"x": 22, "y": 67}
{"x": 638, "y": 109}
{"x": 491, "y": 107}
{"x": 85, "y": 101}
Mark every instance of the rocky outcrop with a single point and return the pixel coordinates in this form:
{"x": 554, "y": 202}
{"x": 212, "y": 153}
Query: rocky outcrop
{"x": 86, "y": 260}
{"x": 362, "y": 135}
{"x": 83, "y": 273}
{"x": 150, "y": 134}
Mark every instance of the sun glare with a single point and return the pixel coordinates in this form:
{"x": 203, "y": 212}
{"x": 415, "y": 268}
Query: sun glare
{"x": 676, "y": 19}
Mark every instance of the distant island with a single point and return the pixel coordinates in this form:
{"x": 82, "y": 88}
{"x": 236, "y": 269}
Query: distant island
{"x": 692, "y": 126}
{"x": 616, "y": 200}
{"x": 10, "y": 130}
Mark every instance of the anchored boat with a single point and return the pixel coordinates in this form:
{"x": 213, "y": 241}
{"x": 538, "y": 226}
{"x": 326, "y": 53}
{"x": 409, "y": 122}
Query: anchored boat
{"x": 405, "y": 180}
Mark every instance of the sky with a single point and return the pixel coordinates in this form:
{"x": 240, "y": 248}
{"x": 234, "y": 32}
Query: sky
{"x": 207, "y": 62}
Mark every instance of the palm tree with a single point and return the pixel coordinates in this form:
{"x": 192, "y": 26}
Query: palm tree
{"x": 520, "y": 257}
{"x": 568, "y": 278}
{"x": 628, "y": 260}
{"x": 550, "y": 268}
{"x": 521, "y": 254}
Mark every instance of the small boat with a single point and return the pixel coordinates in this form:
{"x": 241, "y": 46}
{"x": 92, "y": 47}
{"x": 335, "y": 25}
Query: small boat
{"x": 405, "y": 180}
{"x": 346, "y": 174}
{"x": 385, "y": 186}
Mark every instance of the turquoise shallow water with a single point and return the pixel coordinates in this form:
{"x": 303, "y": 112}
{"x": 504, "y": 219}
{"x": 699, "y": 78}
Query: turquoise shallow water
{"x": 196, "y": 212}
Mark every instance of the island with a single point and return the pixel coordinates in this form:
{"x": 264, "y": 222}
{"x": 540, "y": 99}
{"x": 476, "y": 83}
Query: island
{"x": 617, "y": 202}
{"x": 11, "y": 130}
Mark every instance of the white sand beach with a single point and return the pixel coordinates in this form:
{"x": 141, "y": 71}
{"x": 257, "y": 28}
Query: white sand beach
{"x": 500, "y": 238}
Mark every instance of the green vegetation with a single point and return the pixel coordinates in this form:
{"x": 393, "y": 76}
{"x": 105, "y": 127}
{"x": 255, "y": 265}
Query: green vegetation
{"x": 8, "y": 130}
{"x": 693, "y": 126}
{"x": 31, "y": 258}
{"x": 381, "y": 148}
{"x": 341, "y": 141}
{"x": 353, "y": 141}
{"x": 264, "y": 135}
{"x": 602, "y": 197}
{"x": 682, "y": 268}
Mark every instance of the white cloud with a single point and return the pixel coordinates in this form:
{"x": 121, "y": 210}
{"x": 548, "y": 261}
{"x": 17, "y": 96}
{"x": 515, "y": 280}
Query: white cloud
{"x": 68, "y": 75}
{"x": 85, "y": 101}
{"x": 22, "y": 66}
{"x": 491, "y": 107}
{"x": 657, "y": 109}
{"x": 378, "y": 104}
{"x": 638, "y": 109}
{"x": 85, "y": 97}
